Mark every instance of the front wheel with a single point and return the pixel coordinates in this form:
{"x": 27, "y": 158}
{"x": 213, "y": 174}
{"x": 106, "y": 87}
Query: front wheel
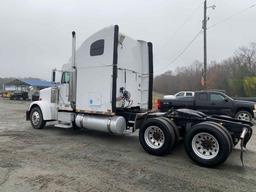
{"x": 243, "y": 115}
{"x": 36, "y": 118}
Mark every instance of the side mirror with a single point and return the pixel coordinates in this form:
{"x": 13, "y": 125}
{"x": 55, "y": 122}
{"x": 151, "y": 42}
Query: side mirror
{"x": 53, "y": 75}
{"x": 226, "y": 99}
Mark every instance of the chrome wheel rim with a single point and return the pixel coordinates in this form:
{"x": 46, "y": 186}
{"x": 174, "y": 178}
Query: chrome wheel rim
{"x": 205, "y": 145}
{"x": 243, "y": 116}
{"x": 35, "y": 118}
{"x": 154, "y": 137}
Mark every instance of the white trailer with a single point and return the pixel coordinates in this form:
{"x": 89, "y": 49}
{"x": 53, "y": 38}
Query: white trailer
{"x": 107, "y": 86}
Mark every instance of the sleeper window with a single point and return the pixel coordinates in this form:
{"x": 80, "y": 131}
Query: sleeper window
{"x": 97, "y": 48}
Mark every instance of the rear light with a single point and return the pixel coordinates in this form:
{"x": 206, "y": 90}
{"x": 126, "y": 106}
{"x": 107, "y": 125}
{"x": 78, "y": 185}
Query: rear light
{"x": 158, "y": 104}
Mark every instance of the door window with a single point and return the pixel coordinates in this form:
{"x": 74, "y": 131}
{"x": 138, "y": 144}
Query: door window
{"x": 203, "y": 96}
{"x": 65, "y": 77}
{"x": 189, "y": 94}
{"x": 216, "y": 97}
{"x": 180, "y": 94}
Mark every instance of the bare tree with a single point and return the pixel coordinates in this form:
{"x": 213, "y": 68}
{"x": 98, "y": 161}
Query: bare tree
{"x": 235, "y": 75}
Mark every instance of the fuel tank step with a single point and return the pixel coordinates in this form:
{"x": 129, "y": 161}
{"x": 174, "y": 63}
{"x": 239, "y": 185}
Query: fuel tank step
{"x": 64, "y": 126}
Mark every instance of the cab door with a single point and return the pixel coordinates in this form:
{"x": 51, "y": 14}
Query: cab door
{"x": 64, "y": 91}
{"x": 220, "y": 105}
{"x": 202, "y": 103}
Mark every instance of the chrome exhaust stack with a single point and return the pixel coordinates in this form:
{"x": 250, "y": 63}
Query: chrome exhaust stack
{"x": 73, "y": 82}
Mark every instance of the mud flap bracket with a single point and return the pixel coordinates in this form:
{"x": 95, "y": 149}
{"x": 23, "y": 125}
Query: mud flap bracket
{"x": 242, "y": 136}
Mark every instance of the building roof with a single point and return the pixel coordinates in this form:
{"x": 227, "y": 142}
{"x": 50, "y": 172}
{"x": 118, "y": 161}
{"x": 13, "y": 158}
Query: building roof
{"x": 30, "y": 82}
{"x": 37, "y": 82}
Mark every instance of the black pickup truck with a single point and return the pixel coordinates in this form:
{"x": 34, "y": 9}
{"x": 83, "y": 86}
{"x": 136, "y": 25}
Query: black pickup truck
{"x": 212, "y": 103}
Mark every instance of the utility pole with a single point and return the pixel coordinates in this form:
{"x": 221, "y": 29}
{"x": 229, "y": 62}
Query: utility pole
{"x": 205, "y": 42}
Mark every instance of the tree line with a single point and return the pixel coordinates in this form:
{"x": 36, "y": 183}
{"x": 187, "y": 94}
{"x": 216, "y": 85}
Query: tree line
{"x": 235, "y": 75}
{"x": 3, "y": 81}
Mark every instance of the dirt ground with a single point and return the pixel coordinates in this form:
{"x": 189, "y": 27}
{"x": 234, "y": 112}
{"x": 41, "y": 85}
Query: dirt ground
{"x": 54, "y": 159}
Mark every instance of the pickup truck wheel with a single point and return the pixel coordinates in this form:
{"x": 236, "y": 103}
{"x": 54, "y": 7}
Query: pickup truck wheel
{"x": 207, "y": 144}
{"x": 243, "y": 115}
{"x": 36, "y": 118}
{"x": 157, "y": 136}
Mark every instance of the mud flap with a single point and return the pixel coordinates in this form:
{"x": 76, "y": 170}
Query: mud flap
{"x": 27, "y": 115}
{"x": 242, "y": 136}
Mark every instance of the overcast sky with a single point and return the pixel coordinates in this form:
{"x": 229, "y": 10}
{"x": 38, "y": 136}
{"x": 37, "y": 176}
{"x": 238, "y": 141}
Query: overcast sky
{"x": 35, "y": 35}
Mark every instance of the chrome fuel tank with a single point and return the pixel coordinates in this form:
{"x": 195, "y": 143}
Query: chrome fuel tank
{"x": 115, "y": 125}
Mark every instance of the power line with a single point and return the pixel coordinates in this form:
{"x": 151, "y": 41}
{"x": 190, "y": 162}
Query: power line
{"x": 190, "y": 16}
{"x": 182, "y": 51}
{"x": 231, "y": 16}
{"x": 197, "y": 35}
{"x": 186, "y": 20}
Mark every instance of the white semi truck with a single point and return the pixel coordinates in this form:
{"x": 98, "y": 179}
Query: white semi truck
{"x": 107, "y": 86}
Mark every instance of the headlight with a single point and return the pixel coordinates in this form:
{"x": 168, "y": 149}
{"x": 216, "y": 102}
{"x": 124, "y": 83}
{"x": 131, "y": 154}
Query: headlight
{"x": 254, "y": 106}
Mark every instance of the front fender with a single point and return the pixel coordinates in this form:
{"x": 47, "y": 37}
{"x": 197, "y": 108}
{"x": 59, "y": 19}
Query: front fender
{"x": 49, "y": 110}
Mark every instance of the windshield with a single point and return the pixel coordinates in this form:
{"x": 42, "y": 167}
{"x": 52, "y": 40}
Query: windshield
{"x": 227, "y": 97}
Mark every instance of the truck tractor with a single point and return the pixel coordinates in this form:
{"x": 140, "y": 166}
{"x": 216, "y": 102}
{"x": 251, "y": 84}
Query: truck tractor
{"x": 107, "y": 86}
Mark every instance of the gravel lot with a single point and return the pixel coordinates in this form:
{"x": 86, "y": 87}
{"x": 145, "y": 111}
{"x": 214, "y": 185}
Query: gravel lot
{"x": 55, "y": 159}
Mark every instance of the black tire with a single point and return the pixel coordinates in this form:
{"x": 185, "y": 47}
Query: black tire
{"x": 231, "y": 146}
{"x": 214, "y": 131}
{"x": 176, "y": 130}
{"x": 40, "y": 124}
{"x": 247, "y": 114}
{"x": 168, "y": 135}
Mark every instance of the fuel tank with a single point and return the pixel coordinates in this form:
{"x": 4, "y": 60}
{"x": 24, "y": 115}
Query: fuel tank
{"x": 115, "y": 125}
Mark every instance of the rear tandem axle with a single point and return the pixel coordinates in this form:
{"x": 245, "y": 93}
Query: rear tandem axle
{"x": 208, "y": 139}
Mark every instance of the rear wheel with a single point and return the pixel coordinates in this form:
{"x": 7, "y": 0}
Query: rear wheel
{"x": 243, "y": 115}
{"x": 157, "y": 136}
{"x": 176, "y": 130}
{"x": 207, "y": 144}
{"x": 227, "y": 134}
{"x": 36, "y": 118}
